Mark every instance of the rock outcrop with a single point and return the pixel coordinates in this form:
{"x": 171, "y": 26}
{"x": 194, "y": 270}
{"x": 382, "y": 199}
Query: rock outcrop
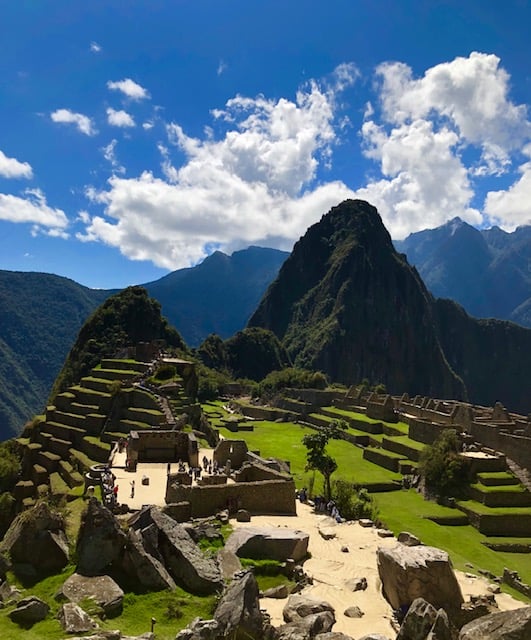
{"x": 507, "y": 625}
{"x": 145, "y": 568}
{"x": 268, "y": 542}
{"x": 37, "y": 538}
{"x": 74, "y": 619}
{"x": 424, "y": 572}
{"x": 169, "y": 543}
{"x": 101, "y": 540}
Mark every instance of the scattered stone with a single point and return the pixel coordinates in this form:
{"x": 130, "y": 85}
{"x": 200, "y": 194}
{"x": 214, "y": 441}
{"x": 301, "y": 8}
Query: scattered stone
{"x": 74, "y": 620}
{"x": 374, "y": 636}
{"x": 334, "y": 635}
{"x": 223, "y": 517}
{"x": 242, "y": 515}
{"x": 102, "y": 589}
{"x": 298, "y": 607}
{"x": 425, "y": 572}
{"x": 279, "y": 592}
{"x": 307, "y": 627}
{"x": 327, "y": 533}
{"x": 385, "y": 533}
{"x": 9, "y": 594}
{"x": 507, "y": 625}
{"x": 408, "y": 539}
{"x": 366, "y": 522}
{"x": 356, "y": 584}
{"x": 101, "y": 540}
{"x": 477, "y": 607}
{"x": 494, "y": 588}
{"x": 268, "y": 542}
{"x": 469, "y": 565}
{"x": 344, "y": 549}
{"x": 353, "y": 612}
{"x": 29, "y": 611}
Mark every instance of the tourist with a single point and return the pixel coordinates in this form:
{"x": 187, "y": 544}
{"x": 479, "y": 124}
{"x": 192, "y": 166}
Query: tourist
{"x": 132, "y": 488}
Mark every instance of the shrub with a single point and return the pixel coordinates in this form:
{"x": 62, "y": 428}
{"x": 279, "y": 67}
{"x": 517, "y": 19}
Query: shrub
{"x": 166, "y": 371}
{"x": 445, "y": 473}
{"x": 353, "y": 504}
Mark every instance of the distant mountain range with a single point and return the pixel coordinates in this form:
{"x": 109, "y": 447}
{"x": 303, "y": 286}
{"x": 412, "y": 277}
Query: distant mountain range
{"x": 488, "y": 272}
{"x": 41, "y": 315}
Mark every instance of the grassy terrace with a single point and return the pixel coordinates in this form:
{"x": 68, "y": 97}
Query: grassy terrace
{"x": 345, "y": 413}
{"x": 284, "y": 440}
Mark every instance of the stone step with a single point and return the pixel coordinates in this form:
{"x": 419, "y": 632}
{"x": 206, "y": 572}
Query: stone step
{"x": 72, "y": 477}
{"x": 64, "y": 432}
{"x": 48, "y": 460}
{"x": 115, "y": 374}
{"x": 96, "y": 384}
{"x": 112, "y": 363}
{"x": 386, "y": 459}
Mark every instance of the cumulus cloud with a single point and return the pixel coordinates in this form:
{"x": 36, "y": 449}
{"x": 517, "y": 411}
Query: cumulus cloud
{"x": 120, "y": 118}
{"x": 129, "y": 88}
{"x": 254, "y": 183}
{"x": 419, "y": 133}
{"x": 83, "y": 123}
{"x": 33, "y": 209}
{"x": 12, "y": 168}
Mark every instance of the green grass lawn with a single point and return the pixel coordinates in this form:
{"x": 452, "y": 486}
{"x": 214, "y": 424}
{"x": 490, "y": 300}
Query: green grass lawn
{"x": 408, "y": 511}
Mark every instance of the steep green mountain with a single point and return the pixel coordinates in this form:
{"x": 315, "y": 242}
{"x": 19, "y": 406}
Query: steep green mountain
{"x": 218, "y": 295}
{"x": 346, "y": 303}
{"x": 126, "y": 318}
{"x": 488, "y": 272}
{"x": 40, "y": 316}
{"x": 251, "y": 353}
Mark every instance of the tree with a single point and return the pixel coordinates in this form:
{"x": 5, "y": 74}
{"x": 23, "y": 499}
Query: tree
{"x": 316, "y": 456}
{"x": 445, "y": 472}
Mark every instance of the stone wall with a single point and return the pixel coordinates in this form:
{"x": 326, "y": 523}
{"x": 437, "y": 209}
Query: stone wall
{"x": 268, "y": 497}
{"x": 515, "y": 447}
{"x": 162, "y": 446}
{"x": 381, "y": 408}
{"x": 233, "y": 450}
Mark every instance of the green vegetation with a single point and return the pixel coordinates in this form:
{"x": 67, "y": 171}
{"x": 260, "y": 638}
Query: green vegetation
{"x": 293, "y": 378}
{"x": 444, "y": 471}
{"x": 317, "y": 458}
{"x": 129, "y": 317}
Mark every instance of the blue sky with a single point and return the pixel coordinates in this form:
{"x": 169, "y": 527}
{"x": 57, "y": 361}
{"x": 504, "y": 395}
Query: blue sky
{"x": 138, "y": 137}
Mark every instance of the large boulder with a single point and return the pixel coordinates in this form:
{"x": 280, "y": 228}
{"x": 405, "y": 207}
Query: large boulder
{"x": 273, "y": 543}
{"x": 507, "y": 625}
{"x": 238, "y": 612}
{"x": 101, "y": 540}
{"x": 74, "y": 619}
{"x": 103, "y": 590}
{"x": 308, "y": 627}
{"x": 29, "y": 611}
{"x": 36, "y": 538}
{"x": 146, "y": 569}
{"x": 200, "y": 629}
{"x": 186, "y": 563}
{"x": 414, "y": 572}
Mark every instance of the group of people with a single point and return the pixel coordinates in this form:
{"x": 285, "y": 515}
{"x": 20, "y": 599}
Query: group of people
{"x": 109, "y": 488}
{"x": 208, "y": 466}
{"x": 322, "y": 505}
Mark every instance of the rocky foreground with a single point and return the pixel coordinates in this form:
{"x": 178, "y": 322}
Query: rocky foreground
{"x": 353, "y": 580}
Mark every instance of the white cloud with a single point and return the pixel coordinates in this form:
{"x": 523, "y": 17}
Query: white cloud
{"x": 255, "y": 183}
{"x": 83, "y": 123}
{"x": 109, "y": 153}
{"x": 510, "y": 209}
{"x": 12, "y": 168}
{"x": 119, "y": 118}
{"x": 424, "y": 129}
{"x": 222, "y": 66}
{"x": 148, "y": 125}
{"x": 33, "y": 209}
{"x": 95, "y": 47}
{"x": 129, "y": 88}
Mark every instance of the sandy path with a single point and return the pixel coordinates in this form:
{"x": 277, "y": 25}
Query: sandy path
{"x": 331, "y": 568}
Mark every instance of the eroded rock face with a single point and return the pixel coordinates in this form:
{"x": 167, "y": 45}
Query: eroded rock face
{"x": 418, "y": 621}
{"x": 102, "y": 589}
{"x": 507, "y": 625}
{"x": 36, "y": 538}
{"x": 414, "y": 572}
{"x": 101, "y": 540}
{"x": 169, "y": 541}
{"x": 269, "y": 542}
{"x": 200, "y": 629}
{"x": 308, "y": 627}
